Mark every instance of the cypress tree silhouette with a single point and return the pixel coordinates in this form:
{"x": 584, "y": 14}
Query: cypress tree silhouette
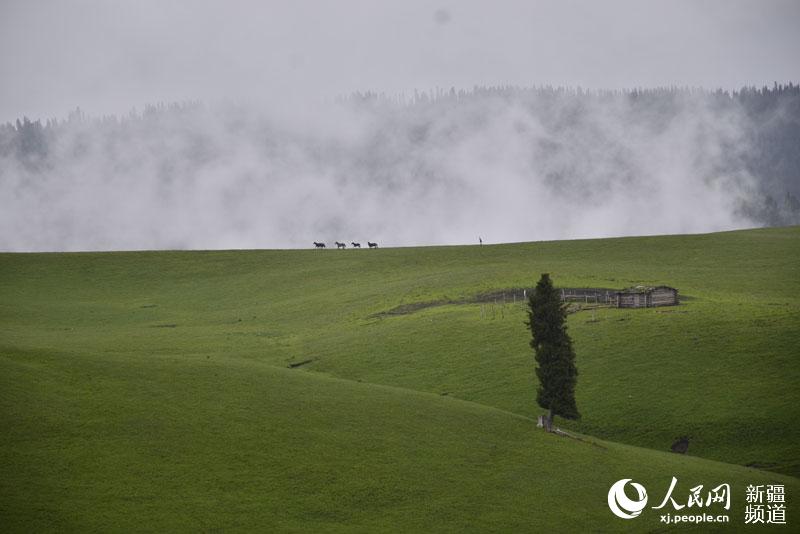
{"x": 555, "y": 357}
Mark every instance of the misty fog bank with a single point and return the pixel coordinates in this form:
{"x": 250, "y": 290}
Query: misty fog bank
{"x": 504, "y": 164}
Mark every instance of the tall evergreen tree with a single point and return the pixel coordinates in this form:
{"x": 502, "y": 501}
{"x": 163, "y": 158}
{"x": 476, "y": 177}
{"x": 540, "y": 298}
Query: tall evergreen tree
{"x": 555, "y": 357}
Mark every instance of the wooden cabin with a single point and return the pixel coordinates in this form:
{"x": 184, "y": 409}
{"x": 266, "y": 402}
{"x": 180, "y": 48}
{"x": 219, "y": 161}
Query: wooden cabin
{"x": 647, "y": 297}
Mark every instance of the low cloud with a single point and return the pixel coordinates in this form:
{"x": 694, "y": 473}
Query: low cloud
{"x": 446, "y": 168}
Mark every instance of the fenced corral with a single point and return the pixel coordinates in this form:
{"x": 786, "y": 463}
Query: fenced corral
{"x": 587, "y": 295}
{"x": 580, "y": 298}
{"x": 497, "y": 304}
{"x": 634, "y": 297}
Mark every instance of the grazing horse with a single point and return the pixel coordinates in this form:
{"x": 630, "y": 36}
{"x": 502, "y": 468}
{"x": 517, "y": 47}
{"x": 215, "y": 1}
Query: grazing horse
{"x": 372, "y": 245}
{"x": 355, "y": 245}
{"x": 319, "y": 245}
{"x": 340, "y": 245}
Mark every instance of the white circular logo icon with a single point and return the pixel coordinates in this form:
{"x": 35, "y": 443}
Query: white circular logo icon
{"x": 621, "y": 505}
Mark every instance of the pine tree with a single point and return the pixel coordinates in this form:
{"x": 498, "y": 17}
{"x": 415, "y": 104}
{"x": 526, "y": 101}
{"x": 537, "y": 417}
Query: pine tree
{"x": 555, "y": 357}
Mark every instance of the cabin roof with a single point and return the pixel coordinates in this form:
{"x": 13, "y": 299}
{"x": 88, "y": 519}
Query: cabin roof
{"x": 644, "y": 289}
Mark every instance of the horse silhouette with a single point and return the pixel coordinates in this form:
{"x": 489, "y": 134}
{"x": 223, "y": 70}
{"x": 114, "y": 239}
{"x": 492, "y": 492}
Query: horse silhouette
{"x": 340, "y": 245}
{"x": 355, "y": 245}
{"x": 319, "y": 245}
{"x": 372, "y": 245}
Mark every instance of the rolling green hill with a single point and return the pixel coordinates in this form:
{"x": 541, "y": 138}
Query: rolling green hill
{"x": 152, "y": 390}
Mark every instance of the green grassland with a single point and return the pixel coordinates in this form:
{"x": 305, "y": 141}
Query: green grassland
{"x": 151, "y": 390}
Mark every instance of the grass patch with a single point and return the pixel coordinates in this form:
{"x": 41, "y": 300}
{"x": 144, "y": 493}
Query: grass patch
{"x": 154, "y": 388}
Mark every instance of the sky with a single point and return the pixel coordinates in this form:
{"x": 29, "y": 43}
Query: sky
{"x": 112, "y": 56}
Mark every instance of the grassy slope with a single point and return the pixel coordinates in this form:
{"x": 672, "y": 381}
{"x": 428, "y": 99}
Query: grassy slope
{"x": 149, "y": 375}
{"x": 108, "y": 442}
